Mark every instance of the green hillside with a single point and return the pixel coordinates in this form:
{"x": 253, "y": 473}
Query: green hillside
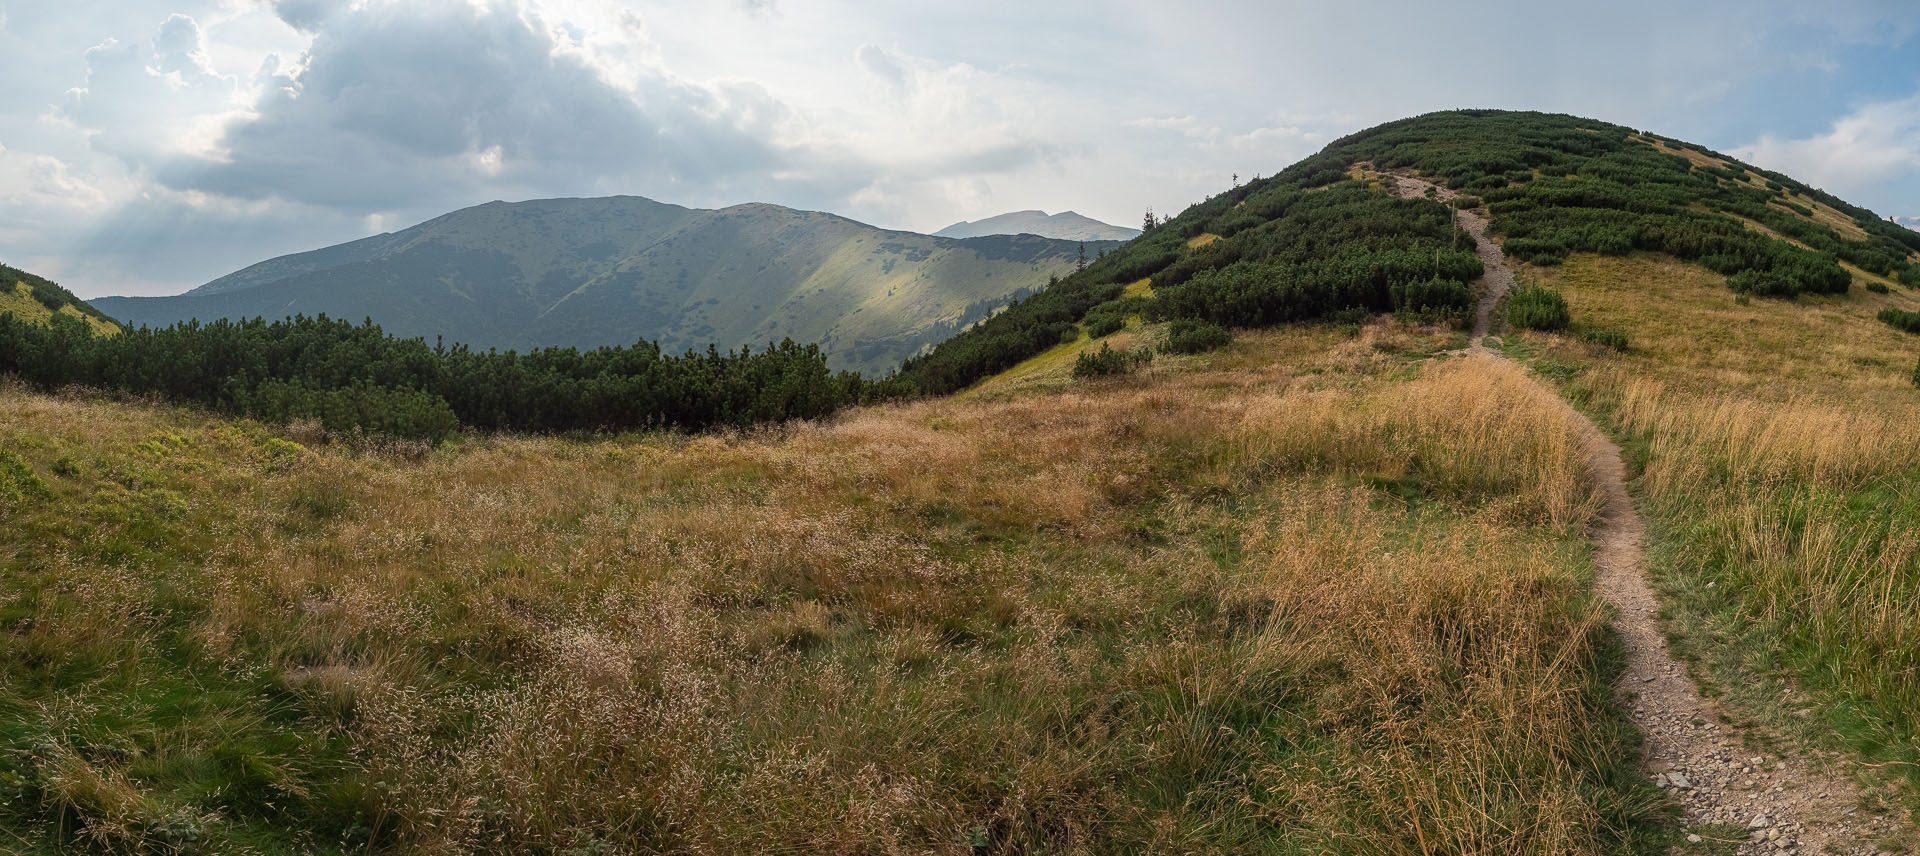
{"x": 1247, "y": 538}
{"x": 37, "y": 300}
{"x": 1319, "y": 239}
{"x": 591, "y": 272}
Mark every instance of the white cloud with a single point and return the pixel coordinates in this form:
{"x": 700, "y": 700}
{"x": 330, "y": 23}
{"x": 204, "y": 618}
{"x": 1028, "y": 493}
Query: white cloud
{"x": 1873, "y": 145}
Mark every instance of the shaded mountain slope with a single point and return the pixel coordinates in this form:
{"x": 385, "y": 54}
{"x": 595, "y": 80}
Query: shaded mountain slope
{"x": 591, "y": 272}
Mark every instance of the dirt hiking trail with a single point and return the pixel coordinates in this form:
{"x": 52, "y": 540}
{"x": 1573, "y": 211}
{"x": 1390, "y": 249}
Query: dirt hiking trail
{"x": 1778, "y": 805}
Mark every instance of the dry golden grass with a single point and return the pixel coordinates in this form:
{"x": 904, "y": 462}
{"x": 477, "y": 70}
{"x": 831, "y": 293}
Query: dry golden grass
{"x": 1781, "y": 444}
{"x": 1686, "y": 326}
{"x": 1198, "y": 241}
{"x": 1309, "y": 594}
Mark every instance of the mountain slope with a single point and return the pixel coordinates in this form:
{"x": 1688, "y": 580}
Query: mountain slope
{"x": 1066, "y": 225}
{"x": 591, "y": 272}
{"x": 1751, "y": 337}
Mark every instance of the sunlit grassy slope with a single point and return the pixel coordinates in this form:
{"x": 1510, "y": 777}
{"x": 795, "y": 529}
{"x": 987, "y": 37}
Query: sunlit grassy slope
{"x": 1319, "y": 592}
{"x": 19, "y": 299}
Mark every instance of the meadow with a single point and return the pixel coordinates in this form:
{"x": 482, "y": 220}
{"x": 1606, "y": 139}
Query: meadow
{"x": 1779, "y": 458}
{"x": 1320, "y": 591}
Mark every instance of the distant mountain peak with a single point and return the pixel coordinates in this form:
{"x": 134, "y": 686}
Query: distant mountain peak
{"x": 1065, "y": 226}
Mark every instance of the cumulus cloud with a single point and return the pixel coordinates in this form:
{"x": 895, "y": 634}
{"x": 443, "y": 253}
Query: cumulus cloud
{"x": 144, "y": 101}
{"x": 401, "y": 104}
{"x": 882, "y": 64}
{"x": 1872, "y": 145}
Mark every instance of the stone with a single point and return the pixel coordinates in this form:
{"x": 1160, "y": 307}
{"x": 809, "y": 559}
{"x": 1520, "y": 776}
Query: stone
{"x": 1759, "y": 821}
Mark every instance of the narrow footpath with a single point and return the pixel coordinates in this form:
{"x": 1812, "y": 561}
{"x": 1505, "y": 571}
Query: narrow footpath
{"x": 1778, "y": 805}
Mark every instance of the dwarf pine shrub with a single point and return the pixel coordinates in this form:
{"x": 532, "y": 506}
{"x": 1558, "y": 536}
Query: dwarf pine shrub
{"x": 1192, "y": 336}
{"x": 1536, "y": 308}
{"x": 1107, "y": 361}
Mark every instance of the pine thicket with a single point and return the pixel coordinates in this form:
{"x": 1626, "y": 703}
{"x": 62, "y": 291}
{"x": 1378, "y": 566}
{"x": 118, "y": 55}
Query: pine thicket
{"x": 351, "y": 376}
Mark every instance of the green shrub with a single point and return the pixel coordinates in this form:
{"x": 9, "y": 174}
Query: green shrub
{"x": 1536, "y": 308}
{"x": 1104, "y": 325}
{"x": 1431, "y": 299}
{"x": 1614, "y": 339}
{"x": 1901, "y": 319}
{"x": 1762, "y": 284}
{"x": 1911, "y": 277}
{"x": 1192, "y": 336}
{"x": 1468, "y": 202}
{"x": 1107, "y": 361}
{"x": 1111, "y": 317}
{"x": 1878, "y": 287}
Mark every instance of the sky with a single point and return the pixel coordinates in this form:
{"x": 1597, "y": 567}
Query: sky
{"x": 148, "y": 146}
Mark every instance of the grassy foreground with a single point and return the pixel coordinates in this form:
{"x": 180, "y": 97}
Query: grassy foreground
{"x": 1318, "y": 592}
{"x": 1780, "y": 446}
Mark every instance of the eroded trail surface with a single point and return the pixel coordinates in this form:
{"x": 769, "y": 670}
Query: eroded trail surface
{"x": 1775, "y": 804}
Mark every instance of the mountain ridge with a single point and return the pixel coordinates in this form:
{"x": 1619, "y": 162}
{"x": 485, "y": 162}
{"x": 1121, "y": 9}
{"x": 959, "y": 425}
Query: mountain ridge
{"x": 586, "y": 272}
{"x": 1066, "y": 225}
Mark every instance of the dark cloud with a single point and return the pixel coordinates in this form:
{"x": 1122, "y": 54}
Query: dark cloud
{"x": 406, "y": 104}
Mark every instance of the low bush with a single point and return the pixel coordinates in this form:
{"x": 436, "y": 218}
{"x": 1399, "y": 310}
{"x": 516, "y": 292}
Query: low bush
{"x": 1104, "y": 325}
{"x": 1111, "y": 317}
{"x": 1107, "y": 361}
{"x": 1464, "y": 202}
{"x": 1536, "y": 308}
{"x": 1878, "y": 288}
{"x": 1615, "y": 339}
{"x": 1434, "y": 298}
{"x": 1192, "y": 336}
{"x": 1900, "y": 319}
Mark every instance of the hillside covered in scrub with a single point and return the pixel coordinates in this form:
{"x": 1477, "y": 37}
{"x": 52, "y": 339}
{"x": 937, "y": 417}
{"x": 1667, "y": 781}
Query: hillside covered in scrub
{"x": 1243, "y": 539}
{"x": 1318, "y": 239}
